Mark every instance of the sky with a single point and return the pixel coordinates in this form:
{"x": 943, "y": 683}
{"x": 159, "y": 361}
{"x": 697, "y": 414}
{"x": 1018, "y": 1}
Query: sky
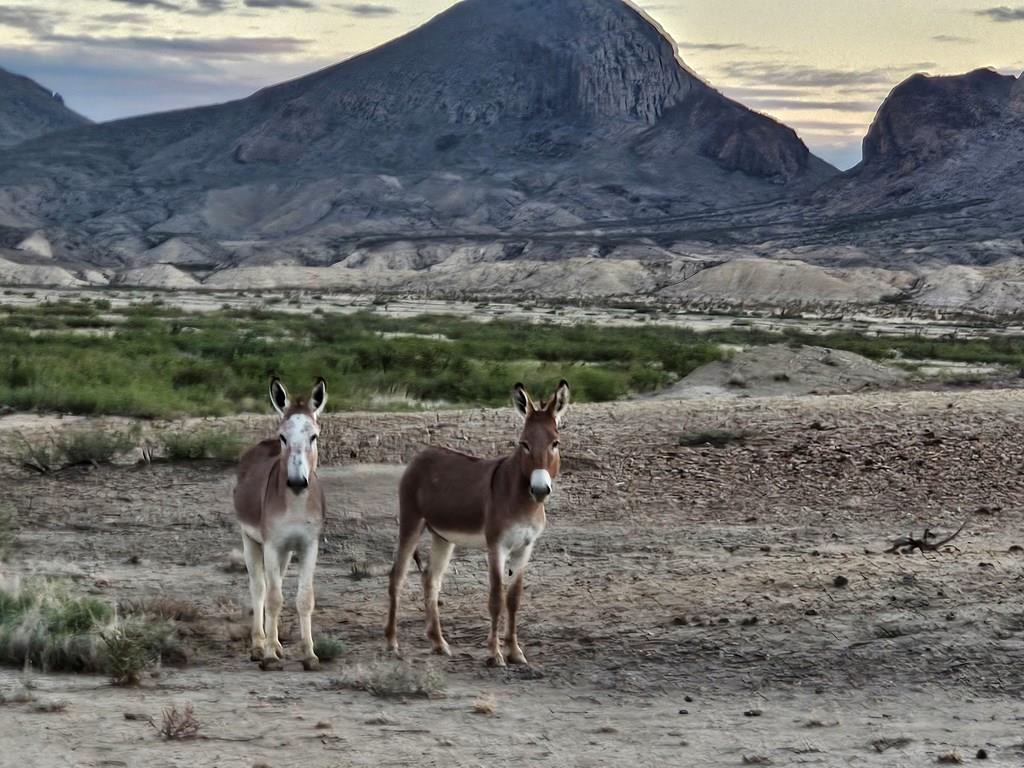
{"x": 820, "y": 66}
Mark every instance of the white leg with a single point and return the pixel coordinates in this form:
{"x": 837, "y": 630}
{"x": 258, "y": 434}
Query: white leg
{"x": 253, "y": 551}
{"x": 304, "y": 601}
{"x": 273, "y": 652}
{"x": 440, "y": 555}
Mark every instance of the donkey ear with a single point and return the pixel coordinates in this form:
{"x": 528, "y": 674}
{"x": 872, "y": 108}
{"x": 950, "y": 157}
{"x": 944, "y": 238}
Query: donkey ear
{"x": 279, "y": 396}
{"x": 521, "y": 400}
{"x": 318, "y": 397}
{"x": 559, "y": 402}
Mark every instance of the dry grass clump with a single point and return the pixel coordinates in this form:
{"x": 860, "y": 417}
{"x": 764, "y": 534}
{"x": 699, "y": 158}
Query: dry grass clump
{"x": 485, "y": 704}
{"x": 75, "y": 447}
{"x": 43, "y": 626}
{"x": 393, "y": 678}
{"x": 179, "y": 724}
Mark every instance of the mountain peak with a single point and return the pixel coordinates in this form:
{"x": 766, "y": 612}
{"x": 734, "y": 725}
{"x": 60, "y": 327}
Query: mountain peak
{"x": 28, "y": 110}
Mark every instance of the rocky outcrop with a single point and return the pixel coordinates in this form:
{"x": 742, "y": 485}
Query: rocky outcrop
{"x": 927, "y": 118}
{"x": 28, "y": 110}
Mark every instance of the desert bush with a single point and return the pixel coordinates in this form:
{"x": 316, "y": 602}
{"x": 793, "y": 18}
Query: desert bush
{"x": 178, "y": 724}
{"x": 328, "y": 648}
{"x": 46, "y": 627}
{"x": 208, "y": 444}
{"x": 134, "y": 645}
{"x": 393, "y": 678}
{"x": 93, "y": 446}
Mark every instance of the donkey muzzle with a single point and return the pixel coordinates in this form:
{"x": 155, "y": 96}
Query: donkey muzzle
{"x": 298, "y": 484}
{"x": 540, "y": 484}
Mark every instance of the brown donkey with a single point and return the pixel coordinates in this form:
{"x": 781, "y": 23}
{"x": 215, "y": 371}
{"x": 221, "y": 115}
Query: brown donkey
{"x": 281, "y": 507}
{"x": 492, "y": 504}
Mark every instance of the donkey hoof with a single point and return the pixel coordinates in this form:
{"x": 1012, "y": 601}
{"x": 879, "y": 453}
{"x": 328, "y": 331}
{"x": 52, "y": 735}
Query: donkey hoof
{"x": 279, "y": 651}
{"x": 271, "y": 664}
{"x": 256, "y": 654}
{"x": 442, "y": 649}
{"x": 517, "y": 657}
{"x": 497, "y": 660}
{"x": 311, "y": 664}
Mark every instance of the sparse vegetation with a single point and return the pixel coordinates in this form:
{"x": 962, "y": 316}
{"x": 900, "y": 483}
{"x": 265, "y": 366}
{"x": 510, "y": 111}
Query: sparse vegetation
{"x": 485, "y": 705}
{"x": 716, "y": 438}
{"x": 46, "y": 627}
{"x": 328, "y": 648}
{"x": 74, "y": 447}
{"x": 179, "y": 724}
{"x": 393, "y": 678}
{"x": 211, "y": 444}
{"x": 6, "y": 530}
{"x": 154, "y": 360}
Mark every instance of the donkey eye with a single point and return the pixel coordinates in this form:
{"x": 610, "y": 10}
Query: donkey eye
{"x": 313, "y": 439}
{"x": 284, "y": 440}
{"x": 525, "y": 446}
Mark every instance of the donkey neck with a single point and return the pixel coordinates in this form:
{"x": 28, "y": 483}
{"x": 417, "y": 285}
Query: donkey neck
{"x": 510, "y": 483}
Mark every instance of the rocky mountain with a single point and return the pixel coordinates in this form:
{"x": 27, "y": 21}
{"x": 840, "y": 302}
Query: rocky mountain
{"x": 497, "y": 118}
{"x": 949, "y": 152}
{"x": 28, "y": 110}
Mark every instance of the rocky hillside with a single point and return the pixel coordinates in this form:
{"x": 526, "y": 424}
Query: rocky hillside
{"x": 28, "y": 110}
{"x": 497, "y": 117}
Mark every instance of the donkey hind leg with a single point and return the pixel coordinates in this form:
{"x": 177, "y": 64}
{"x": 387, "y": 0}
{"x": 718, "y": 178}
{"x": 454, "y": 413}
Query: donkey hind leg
{"x": 273, "y": 652}
{"x": 408, "y": 538}
{"x": 253, "y": 551}
{"x": 304, "y": 602}
{"x": 496, "y": 567}
{"x": 516, "y": 566}
{"x": 440, "y": 555}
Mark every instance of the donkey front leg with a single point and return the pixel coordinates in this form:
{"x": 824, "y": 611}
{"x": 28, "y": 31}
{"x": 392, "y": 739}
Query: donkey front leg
{"x": 253, "y": 551}
{"x": 440, "y": 555}
{"x": 496, "y": 562}
{"x": 304, "y": 602}
{"x": 514, "y": 597}
{"x": 273, "y": 651}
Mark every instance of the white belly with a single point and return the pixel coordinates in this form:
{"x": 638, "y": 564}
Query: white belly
{"x": 473, "y": 540}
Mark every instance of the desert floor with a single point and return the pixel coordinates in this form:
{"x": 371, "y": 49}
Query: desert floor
{"x": 695, "y": 606}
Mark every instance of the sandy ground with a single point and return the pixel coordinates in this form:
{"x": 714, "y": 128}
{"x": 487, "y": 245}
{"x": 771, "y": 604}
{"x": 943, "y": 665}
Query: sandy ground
{"x": 682, "y": 609}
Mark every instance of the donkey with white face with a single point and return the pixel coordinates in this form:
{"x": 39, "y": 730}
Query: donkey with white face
{"x": 281, "y": 508}
{"x": 496, "y": 505}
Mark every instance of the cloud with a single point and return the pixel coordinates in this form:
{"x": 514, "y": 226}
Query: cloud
{"x": 815, "y": 104}
{"x": 30, "y": 19}
{"x": 303, "y": 4}
{"x": 685, "y": 46}
{"x": 122, "y": 18}
{"x": 953, "y": 39}
{"x": 206, "y": 7}
{"x": 163, "y": 5}
{"x": 1002, "y": 13}
{"x": 803, "y": 76}
{"x": 367, "y": 9}
{"x": 217, "y": 47}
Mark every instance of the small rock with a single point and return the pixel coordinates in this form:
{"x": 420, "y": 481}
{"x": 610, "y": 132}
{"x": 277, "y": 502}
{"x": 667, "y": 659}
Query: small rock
{"x": 749, "y": 621}
{"x": 982, "y": 754}
{"x": 687, "y": 699}
{"x": 752, "y": 713}
{"x": 684, "y": 711}
{"x": 840, "y": 581}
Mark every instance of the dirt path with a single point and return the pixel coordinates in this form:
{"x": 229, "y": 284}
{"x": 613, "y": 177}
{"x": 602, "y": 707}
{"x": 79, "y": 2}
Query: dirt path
{"x": 671, "y": 578}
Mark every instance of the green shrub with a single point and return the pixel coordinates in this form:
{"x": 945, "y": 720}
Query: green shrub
{"x": 209, "y": 444}
{"x": 328, "y": 648}
{"x": 92, "y": 446}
